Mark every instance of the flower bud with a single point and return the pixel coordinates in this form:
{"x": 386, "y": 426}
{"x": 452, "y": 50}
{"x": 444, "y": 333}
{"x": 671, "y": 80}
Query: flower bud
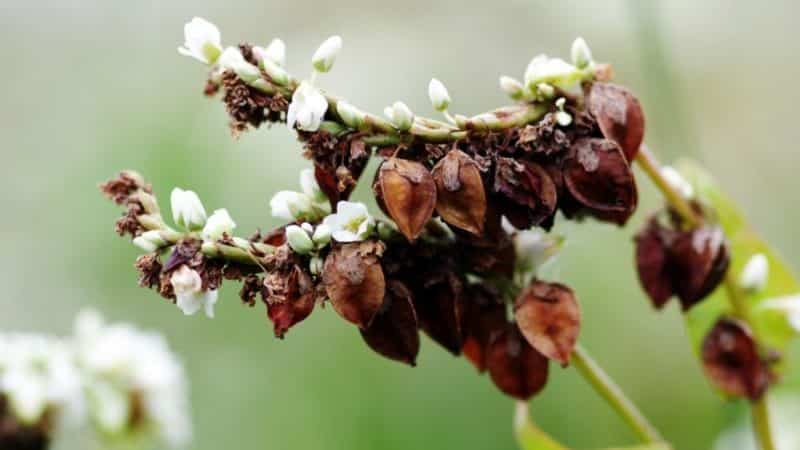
{"x": 400, "y": 115}
{"x": 232, "y": 59}
{"x": 187, "y": 210}
{"x": 545, "y": 90}
{"x": 299, "y": 240}
{"x": 440, "y": 98}
{"x": 290, "y": 205}
{"x": 149, "y": 241}
{"x": 203, "y": 41}
{"x": 308, "y": 182}
{"x": 581, "y": 55}
{"x": 315, "y": 265}
{"x": 554, "y": 71}
{"x": 322, "y": 235}
{"x": 512, "y": 87}
{"x": 676, "y": 180}
{"x": 350, "y": 115}
{"x": 326, "y": 54}
{"x": 755, "y": 274}
{"x": 278, "y": 74}
{"x": 218, "y": 224}
{"x": 276, "y": 52}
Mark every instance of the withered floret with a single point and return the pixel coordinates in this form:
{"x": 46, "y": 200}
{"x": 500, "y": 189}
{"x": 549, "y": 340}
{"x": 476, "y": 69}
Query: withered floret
{"x": 619, "y": 115}
{"x": 408, "y": 192}
{"x": 516, "y": 368}
{"x": 549, "y": 317}
{"x": 460, "y": 195}
{"x": 354, "y": 281}
{"x": 393, "y": 332}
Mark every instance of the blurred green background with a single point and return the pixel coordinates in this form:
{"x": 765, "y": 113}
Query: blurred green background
{"x": 89, "y": 87}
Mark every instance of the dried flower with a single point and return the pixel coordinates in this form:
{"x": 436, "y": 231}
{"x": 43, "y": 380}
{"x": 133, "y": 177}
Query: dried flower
{"x": 549, "y": 317}
{"x": 187, "y": 210}
{"x": 351, "y": 222}
{"x": 354, "y": 281}
{"x": 203, "y": 41}
{"x": 191, "y": 297}
{"x": 619, "y": 115}
{"x": 516, "y": 368}
{"x": 460, "y": 194}
{"x": 393, "y": 332}
{"x": 732, "y": 361}
{"x": 307, "y": 109}
{"x": 408, "y": 192}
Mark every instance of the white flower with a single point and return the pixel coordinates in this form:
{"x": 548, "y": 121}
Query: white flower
{"x": 149, "y": 241}
{"x": 676, "y": 180}
{"x": 554, "y": 71}
{"x": 400, "y": 115}
{"x": 440, "y": 98}
{"x": 788, "y": 305}
{"x": 534, "y": 248}
{"x": 299, "y": 240}
{"x": 310, "y": 187}
{"x": 187, "y": 209}
{"x": 307, "y": 108}
{"x": 218, "y": 224}
{"x": 326, "y": 54}
{"x": 512, "y": 87}
{"x": 351, "y": 223}
{"x": 232, "y": 59}
{"x": 191, "y": 297}
{"x": 203, "y": 41}
{"x": 290, "y": 205}
{"x": 755, "y": 273}
{"x": 581, "y": 55}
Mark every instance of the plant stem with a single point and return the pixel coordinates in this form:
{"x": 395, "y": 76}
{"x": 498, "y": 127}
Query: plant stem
{"x": 529, "y": 436}
{"x": 759, "y": 408}
{"x": 608, "y": 389}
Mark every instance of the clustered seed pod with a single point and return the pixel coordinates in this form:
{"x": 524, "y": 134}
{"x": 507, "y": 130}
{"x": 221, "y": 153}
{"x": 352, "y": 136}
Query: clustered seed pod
{"x": 687, "y": 263}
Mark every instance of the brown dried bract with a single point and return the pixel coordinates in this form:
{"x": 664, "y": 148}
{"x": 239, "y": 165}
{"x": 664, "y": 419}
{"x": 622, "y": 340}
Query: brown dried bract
{"x": 652, "y": 262}
{"x": 289, "y": 298}
{"x": 120, "y": 189}
{"x": 438, "y": 302}
{"x": 700, "y": 259}
{"x": 483, "y": 317}
{"x": 394, "y": 333}
{"x": 460, "y": 197}
{"x": 408, "y": 192}
{"x": 732, "y": 361}
{"x": 354, "y": 281}
{"x": 598, "y": 177}
{"x": 527, "y": 193}
{"x": 516, "y": 368}
{"x": 338, "y": 161}
{"x": 549, "y": 317}
{"x": 149, "y": 268}
{"x": 619, "y": 115}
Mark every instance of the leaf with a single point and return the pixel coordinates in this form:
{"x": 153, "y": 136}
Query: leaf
{"x": 770, "y": 327}
{"x": 529, "y": 436}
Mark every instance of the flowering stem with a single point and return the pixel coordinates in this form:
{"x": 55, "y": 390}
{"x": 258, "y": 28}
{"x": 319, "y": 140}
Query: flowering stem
{"x": 759, "y": 408}
{"x": 611, "y": 392}
{"x": 529, "y": 436}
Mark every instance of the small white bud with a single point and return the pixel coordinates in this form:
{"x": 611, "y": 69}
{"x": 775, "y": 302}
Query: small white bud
{"x": 315, "y": 265}
{"x": 554, "y": 71}
{"x": 187, "y": 210}
{"x": 400, "y": 115}
{"x": 563, "y": 118}
{"x": 218, "y": 224}
{"x": 310, "y": 187}
{"x": 308, "y": 227}
{"x": 351, "y": 115}
{"x": 322, "y": 235}
{"x": 203, "y": 41}
{"x": 232, "y": 59}
{"x": 276, "y": 52}
{"x": 440, "y": 98}
{"x": 512, "y": 87}
{"x": 299, "y": 240}
{"x": 277, "y": 73}
{"x": 676, "y": 180}
{"x": 581, "y": 55}
{"x": 149, "y": 241}
{"x": 560, "y": 103}
{"x": 290, "y": 205}
{"x": 545, "y": 91}
{"x": 325, "y": 55}
{"x": 755, "y": 273}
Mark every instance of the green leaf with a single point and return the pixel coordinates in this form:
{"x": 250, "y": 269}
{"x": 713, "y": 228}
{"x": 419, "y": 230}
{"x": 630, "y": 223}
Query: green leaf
{"x": 529, "y": 436}
{"x": 770, "y": 326}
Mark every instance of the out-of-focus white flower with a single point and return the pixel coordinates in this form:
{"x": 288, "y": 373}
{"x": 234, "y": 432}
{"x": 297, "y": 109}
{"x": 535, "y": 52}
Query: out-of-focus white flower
{"x": 310, "y": 187}
{"x": 232, "y": 59}
{"x": 437, "y": 93}
{"x": 512, "y": 87}
{"x": 127, "y": 368}
{"x": 187, "y": 209}
{"x": 325, "y": 55}
{"x": 401, "y": 115}
{"x": 581, "y": 55}
{"x": 788, "y": 305}
{"x": 218, "y": 224}
{"x": 291, "y": 205}
{"x": 553, "y": 71}
{"x": 350, "y": 115}
{"x": 203, "y": 41}
{"x": 299, "y": 240}
{"x": 676, "y": 180}
{"x": 191, "y": 297}
{"x": 307, "y": 109}
{"x": 351, "y": 223}
{"x": 534, "y": 248}
{"x": 755, "y": 273}
{"x": 149, "y": 241}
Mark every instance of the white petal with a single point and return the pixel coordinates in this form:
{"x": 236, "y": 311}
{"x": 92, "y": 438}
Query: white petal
{"x": 189, "y": 303}
{"x": 209, "y": 300}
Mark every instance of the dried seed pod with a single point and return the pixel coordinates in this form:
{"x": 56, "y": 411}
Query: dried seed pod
{"x": 393, "y": 333}
{"x": 460, "y": 197}
{"x": 484, "y": 316}
{"x": 409, "y": 194}
{"x": 439, "y": 305}
{"x": 700, "y": 259}
{"x": 516, "y": 368}
{"x": 549, "y": 317}
{"x": 599, "y": 178}
{"x": 619, "y": 115}
{"x": 652, "y": 262}
{"x": 289, "y": 298}
{"x": 732, "y": 361}
{"x": 354, "y": 281}
{"x": 528, "y": 194}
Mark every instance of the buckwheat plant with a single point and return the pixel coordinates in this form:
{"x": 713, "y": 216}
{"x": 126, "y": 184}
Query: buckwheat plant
{"x": 469, "y": 201}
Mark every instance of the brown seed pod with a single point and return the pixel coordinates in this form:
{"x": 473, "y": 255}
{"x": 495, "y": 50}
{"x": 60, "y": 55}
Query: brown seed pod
{"x": 393, "y": 333}
{"x": 549, "y": 317}
{"x": 527, "y": 194}
{"x": 484, "y": 316}
{"x": 700, "y": 259}
{"x": 619, "y": 115}
{"x": 460, "y": 197}
{"x": 516, "y": 368}
{"x": 732, "y": 361}
{"x": 652, "y": 262}
{"x": 289, "y": 299}
{"x": 439, "y": 304}
{"x": 599, "y": 178}
{"x": 354, "y": 281}
{"x": 409, "y": 194}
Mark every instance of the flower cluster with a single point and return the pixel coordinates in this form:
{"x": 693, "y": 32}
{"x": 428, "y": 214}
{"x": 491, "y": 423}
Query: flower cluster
{"x": 125, "y": 381}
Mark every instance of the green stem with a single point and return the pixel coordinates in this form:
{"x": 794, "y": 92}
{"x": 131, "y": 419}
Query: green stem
{"x": 761, "y": 424}
{"x": 529, "y": 436}
{"x": 609, "y": 390}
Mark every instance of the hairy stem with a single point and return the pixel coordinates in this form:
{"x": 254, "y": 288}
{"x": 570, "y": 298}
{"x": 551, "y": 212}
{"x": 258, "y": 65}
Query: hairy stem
{"x": 611, "y": 392}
